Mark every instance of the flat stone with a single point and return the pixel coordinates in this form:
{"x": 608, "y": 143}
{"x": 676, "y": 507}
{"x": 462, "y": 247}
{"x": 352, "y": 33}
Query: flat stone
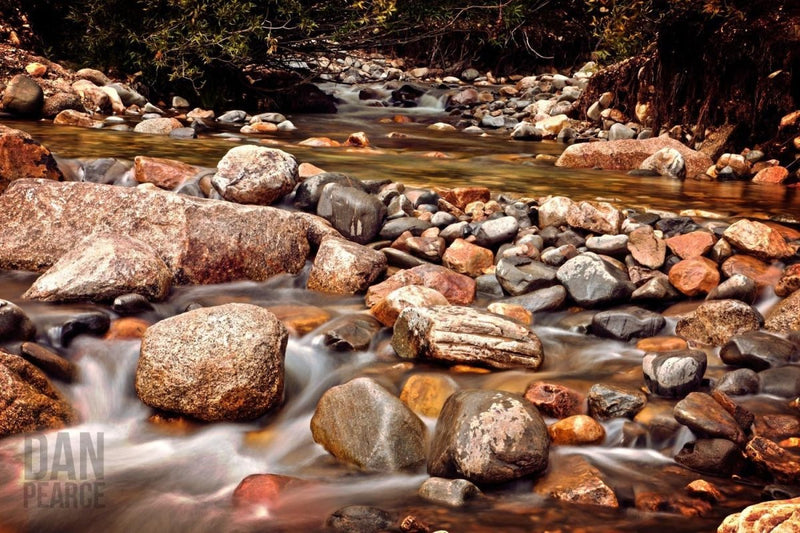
{"x": 102, "y": 267}
{"x": 50, "y": 362}
{"x": 758, "y": 240}
{"x": 738, "y": 382}
{"x": 214, "y": 363}
{"x": 705, "y": 417}
{"x": 521, "y": 275}
{"x": 783, "y": 381}
{"x": 608, "y": 244}
{"x": 488, "y": 437}
{"x": 674, "y": 374}
{"x": 359, "y": 519}
{"x": 344, "y": 267}
{"x": 715, "y": 322}
{"x": 460, "y": 335}
{"x": 692, "y": 244}
{"x": 783, "y": 466}
{"x": 573, "y": 479}
{"x": 158, "y": 126}
{"x": 548, "y": 299}
{"x": 345, "y": 423}
{"x": 758, "y": 350}
{"x": 164, "y": 173}
{"x": 624, "y": 323}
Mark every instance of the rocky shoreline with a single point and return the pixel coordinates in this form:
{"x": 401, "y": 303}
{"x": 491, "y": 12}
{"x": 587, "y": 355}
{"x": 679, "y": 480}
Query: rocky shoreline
{"x": 459, "y": 277}
{"x": 421, "y": 258}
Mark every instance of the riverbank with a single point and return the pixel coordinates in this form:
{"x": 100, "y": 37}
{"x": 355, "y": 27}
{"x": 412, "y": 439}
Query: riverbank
{"x": 560, "y": 311}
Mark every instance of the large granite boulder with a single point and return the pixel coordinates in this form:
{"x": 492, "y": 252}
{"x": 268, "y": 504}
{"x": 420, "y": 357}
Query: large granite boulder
{"x": 214, "y": 363}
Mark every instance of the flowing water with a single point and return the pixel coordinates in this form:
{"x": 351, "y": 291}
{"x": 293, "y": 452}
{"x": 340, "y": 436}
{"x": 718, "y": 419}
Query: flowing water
{"x": 180, "y": 476}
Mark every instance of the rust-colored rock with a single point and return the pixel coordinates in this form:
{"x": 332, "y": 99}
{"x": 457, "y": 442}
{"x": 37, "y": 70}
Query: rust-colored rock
{"x": 22, "y": 157}
{"x": 785, "y": 316}
{"x": 554, "y": 400}
{"x": 758, "y": 240}
{"x": 127, "y": 328}
{"x": 265, "y": 489}
{"x": 512, "y": 311}
{"x": 573, "y": 479}
{"x": 71, "y": 117}
{"x": 462, "y": 196}
{"x": 298, "y": 318}
{"x": 763, "y": 274}
{"x": 457, "y": 288}
{"x": 661, "y": 344}
{"x": 784, "y": 467}
{"x": 163, "y": 173}
{"x": 425, "y": 394}
{"x": 467, "y": 258}
{"x": 772, "y": 175}
{"x": 694, "y": 244}
{"x": 629, "y": 154}
{"x": 789, "y": 281}
{"x": 694, "y": 276}
{"x": 598, "y": 217}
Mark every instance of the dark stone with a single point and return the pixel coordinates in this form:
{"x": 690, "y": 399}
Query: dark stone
{"x": 758, "y": 350}
{"x": 719, "y": 457}
{"x": 739, "y": 382}
{"x": 350, "y": 333}
{"x": 737, "y": 287}
{"x": 14, "y": 323}
{"x": 90, "y": 322}
{"x": 782, "y": 381}
{"x": 488, "y": 436}
{"x": 131, "y": 304}
{"x": 488, "y": 284}
{"x": 548, "y": 299}
{"x": 592, "y": 282}
{"x": 401, "y": 259}
{"x": 569, "y": 237}
{"x": 308, "y": 192}
{"x": 608, "y": 401}
{"x": 493, "y": 232}
{"x": 707, "y": 418}
{"x": 394, "y": 228}
{"x": 355, "y": 214}
{"x": 624, "y": 323}
{"x": 676, "y": 226}
{"x": 521, "y": 275}
{"x": 360, "y": 519}
{"x": 23, "y": 96}
{"x": 674, "y": 374}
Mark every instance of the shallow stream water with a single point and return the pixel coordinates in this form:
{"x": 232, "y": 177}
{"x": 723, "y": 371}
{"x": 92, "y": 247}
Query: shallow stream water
{"x": 180, "y": 476}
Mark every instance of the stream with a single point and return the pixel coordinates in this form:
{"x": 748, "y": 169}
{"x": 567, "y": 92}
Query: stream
{"x": 178, "y": 476}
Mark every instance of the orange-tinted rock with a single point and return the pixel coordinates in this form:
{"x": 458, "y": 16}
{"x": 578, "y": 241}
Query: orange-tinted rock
{"x": 672, "y": 503}
{"x": 773, "y": 175}
{"x": 127, "y": 328}
{"x": 512, "y": 311}
{"x": 694, "y": 244}
{"x": 402, "y": 119}
{"x": 661, "y": 344}
{"x": 457, "y": 288}
{"x": 300, "y": 319}
{"x": 425, "y": 394}
{"x": 554, "y": 400}
{"x": 789, "y": 281}
{"x": 784, "y": 317}
{"x": 462, "y": 196}
{"x": 763, "y": 274}
{"x": 358, "y": 139}
{"x": 36, "y": 70}
{"x": 319, "y": 142}
{"x": 22, "y": 157}
{"x": 598, "y": 217}
{"x": 790, "y": 234}
{"x": 71, "y": 117}
{"x": 573, "y": 479}
{"x": 164, "y": 173}
{"x": 306, "y": 170}
{"x": 467, "y": 258}
{"x": 694, "y": 276}
{"x": 773, "y": 516}
{"x": 629, "y": 154}
{"x": 388, "y": 309}
{"x": 703, "y": 489}
{"x": 577, "y": 430}
{"x": 264, "y": 489}
{"x": 259, "y": 128}
{"x": 784, "y": 467}
{"x": 758, "y": 240}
